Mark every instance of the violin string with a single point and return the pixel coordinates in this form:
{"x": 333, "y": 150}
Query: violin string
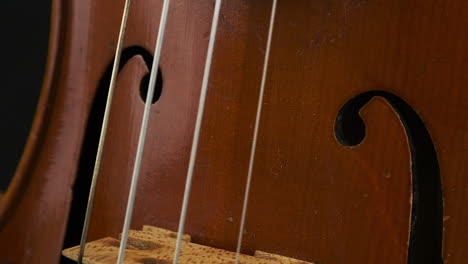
{"x": 102, "y": 137}
{"x": 196, "y": 135}
{"x": 255, "y": 132}
{"x": 143, "y": 130}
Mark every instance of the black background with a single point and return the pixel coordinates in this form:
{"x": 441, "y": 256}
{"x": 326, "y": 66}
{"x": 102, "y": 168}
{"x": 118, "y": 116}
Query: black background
{"x": 24, "y": 30}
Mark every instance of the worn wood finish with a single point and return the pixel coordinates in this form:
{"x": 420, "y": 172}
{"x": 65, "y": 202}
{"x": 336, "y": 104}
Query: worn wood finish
{"x": 41, "y": 120}
{"x": 156, "y": 245}
{"x": 311, "y": 198}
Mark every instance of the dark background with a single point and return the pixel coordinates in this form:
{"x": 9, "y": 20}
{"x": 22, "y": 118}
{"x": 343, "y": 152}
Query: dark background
{"x": 24, "y": 30}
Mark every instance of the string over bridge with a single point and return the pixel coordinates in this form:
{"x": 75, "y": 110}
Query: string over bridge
{"x": 156, "y": 246}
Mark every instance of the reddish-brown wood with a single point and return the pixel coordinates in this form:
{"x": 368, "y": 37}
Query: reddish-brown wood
{"x": 311, "y": 198}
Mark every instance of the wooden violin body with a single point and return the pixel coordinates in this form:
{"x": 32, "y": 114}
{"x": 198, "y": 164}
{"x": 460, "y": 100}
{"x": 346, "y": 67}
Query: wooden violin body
{"x": 327, "y": 186}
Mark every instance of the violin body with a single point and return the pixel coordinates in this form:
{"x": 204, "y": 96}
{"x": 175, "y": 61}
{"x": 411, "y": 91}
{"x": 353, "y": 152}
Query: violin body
{"x": 327, "y": 186}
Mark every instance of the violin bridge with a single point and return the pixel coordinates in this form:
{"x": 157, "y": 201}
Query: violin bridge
{"x": 156, "y": 246}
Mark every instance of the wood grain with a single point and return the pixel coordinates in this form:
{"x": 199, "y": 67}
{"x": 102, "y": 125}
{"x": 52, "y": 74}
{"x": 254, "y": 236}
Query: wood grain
{"x": 157, "y": 246}
{"x": 311, "y": 198}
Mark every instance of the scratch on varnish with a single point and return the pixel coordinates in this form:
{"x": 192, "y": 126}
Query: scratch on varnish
{"x": 153, "y": 245}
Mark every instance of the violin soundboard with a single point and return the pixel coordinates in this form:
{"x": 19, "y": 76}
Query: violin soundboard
{"x": 153, "y": 245}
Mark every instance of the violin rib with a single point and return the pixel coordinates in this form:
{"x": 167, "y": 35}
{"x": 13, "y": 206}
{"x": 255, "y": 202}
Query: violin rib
{"x": 362, "y": 144}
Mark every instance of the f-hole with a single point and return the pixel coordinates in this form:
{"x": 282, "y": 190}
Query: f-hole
{"x": 91, "y": 139}
{"x": 144, "y": 86}
{"x": 425, "y": 242}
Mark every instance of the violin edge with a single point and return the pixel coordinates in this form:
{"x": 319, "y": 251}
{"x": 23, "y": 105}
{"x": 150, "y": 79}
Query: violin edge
{"x": 44, "y": 107}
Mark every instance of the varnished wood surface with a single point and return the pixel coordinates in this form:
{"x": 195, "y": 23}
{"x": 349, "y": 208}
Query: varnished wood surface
{"x": 311, "y": 197}
{"x": 41, "y": 120}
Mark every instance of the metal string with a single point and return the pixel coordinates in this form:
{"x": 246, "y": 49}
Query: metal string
{"x": 144, "y": 128}
{"x": 255, "y": 132}
{"x": 196, "y": 136}
{"x": 102, "y": 137}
